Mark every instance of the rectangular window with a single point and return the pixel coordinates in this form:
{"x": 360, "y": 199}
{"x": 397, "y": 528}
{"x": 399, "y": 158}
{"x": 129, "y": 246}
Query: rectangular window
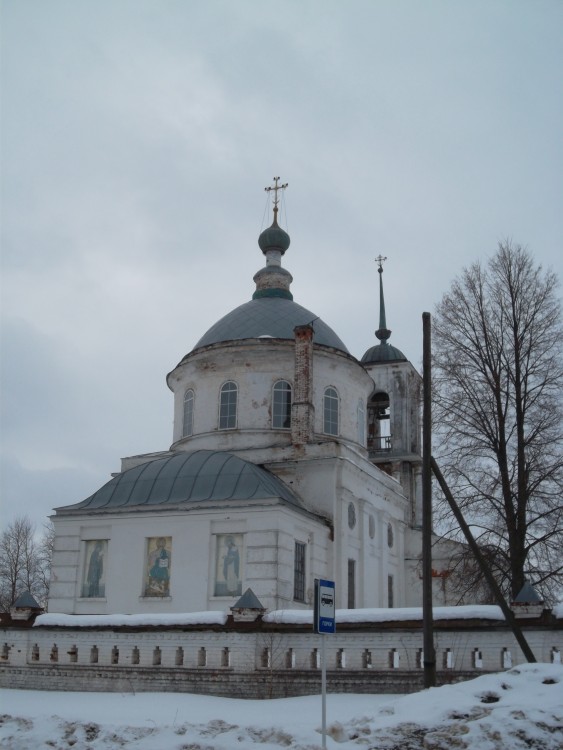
{"x": 299, "y": 572}
{"x": 351, "y": 584}
{"x": 94, "y": 577}
{"x": 390, "y": 595}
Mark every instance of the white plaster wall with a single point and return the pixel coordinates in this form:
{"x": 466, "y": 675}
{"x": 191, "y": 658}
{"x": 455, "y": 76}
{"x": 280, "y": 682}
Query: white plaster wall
{"x": 269, "y": 529}
{"x": 245, "y": 649}
{"x": 255, "y": 366}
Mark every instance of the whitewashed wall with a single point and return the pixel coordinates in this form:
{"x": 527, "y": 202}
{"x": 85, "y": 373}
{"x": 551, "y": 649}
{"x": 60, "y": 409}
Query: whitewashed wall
{"x": 460, "y": 652}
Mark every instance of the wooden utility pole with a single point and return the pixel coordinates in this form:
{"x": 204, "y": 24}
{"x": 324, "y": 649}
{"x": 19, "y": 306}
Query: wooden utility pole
{"x": 429, "y": 652}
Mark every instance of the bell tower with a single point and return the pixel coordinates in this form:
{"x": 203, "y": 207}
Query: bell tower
{"x": 393, "y": 412}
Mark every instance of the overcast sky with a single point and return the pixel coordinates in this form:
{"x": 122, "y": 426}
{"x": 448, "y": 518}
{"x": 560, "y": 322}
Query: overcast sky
{"x": 138, "y": 137}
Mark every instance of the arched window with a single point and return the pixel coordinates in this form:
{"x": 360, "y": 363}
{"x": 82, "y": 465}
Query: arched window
{"x": 228, "y": 406}
{"x": 361, "y": 423}
{"x": 330, "y": 411}
{"x": 379, "y": 423}
{"x": 188, "y": 423}
{"x": 281, "y": 411}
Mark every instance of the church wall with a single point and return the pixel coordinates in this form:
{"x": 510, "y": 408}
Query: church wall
{"x": 263, "y": 538}
{"x": 352, "y": 385}
{"x": 255, "y": 367}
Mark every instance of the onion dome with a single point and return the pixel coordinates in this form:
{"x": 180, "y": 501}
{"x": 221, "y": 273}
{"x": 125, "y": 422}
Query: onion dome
{"x": 274, "y": 238}
{"x": 382, "y": 352}
{"x": 271, "y": 313}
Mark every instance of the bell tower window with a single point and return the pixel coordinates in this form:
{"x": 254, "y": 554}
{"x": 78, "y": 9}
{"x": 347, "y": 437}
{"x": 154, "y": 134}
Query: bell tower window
{"x": 228, "y": 406}
{"x": 379, "y": 423}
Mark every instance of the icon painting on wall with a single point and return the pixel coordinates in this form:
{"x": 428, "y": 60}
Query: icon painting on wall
{"x": 94, "y": 581}
{"x": 227, "y": 565}
{"x": 157, "y": 573}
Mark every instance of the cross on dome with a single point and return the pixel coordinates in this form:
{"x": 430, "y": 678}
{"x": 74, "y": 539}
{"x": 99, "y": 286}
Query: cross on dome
{"x": 275, "y": 199}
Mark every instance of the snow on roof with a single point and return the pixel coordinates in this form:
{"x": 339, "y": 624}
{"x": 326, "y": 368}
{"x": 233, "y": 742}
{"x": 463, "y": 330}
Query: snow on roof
{"x": 89, "y": 621}
{"x": 466, "y": 612}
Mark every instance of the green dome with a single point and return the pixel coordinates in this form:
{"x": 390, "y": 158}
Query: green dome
{"x": 274, "y": 238}
{"x": 272, "y": 317}
{"x": 383, "y": 352}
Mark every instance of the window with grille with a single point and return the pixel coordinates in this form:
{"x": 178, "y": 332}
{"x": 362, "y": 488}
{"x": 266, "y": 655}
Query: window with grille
{"x": 281, "y": 412}
{"x": 299, "y": 572}
{"x": 228, "y": 406}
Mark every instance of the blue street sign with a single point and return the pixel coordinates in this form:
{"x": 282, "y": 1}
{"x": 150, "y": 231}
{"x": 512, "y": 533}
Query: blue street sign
{"x": 324, "y": 607}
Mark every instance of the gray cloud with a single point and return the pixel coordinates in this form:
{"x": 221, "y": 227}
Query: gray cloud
{"x": 138, "y": 136}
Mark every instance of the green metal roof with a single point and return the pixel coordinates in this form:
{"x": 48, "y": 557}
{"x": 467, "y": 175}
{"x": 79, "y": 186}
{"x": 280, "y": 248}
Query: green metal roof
{"x": 273, "y": 317}
{"x": 193, "y": 477}
{"x": 383, "y": 352}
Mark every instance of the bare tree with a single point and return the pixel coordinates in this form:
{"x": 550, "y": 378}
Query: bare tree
{"x": 25, "y": 562}
{"x": 498, "y": 377}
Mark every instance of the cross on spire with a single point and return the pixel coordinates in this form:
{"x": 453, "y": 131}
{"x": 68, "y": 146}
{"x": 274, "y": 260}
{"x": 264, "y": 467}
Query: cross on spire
{"x": 276, "y": 200}
{"x": 380, "y": 259}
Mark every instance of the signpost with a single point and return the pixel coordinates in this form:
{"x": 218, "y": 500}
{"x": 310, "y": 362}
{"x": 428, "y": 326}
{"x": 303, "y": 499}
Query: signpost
{"x": 324, "y": 622}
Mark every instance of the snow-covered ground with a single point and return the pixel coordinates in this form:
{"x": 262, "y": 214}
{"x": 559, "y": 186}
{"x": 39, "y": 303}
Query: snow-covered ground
{"x": 514, "y": 710}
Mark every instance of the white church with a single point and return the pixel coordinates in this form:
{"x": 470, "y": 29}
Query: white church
{"x": 290, "y": 460}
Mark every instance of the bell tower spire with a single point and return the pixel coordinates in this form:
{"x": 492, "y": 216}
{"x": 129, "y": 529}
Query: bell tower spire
{"x": 382, "y": 333}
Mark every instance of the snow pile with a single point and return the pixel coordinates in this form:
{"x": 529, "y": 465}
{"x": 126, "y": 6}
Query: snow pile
{"x": 96, "y": 621}
{"x": 514, "y": 710}
{"x": 280, "y": 616}
{"x": 305, "y": 616}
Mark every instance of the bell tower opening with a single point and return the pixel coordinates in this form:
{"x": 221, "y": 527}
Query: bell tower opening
{"x": 379, "y": 424}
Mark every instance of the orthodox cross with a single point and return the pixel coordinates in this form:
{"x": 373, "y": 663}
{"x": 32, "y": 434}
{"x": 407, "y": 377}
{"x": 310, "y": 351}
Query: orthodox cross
{"x": 380, "y": 260}
{"x": 275, "y": 188}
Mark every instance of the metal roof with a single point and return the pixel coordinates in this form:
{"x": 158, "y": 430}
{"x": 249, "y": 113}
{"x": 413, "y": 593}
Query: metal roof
{"x": 27, "y": 601}
{"x": 248, "y": 600}
{"x": 192, "y": 477}
{"x": 528, "y": 595}
{"x": 383, "y": 352}
{"x": 274, "y": 317}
